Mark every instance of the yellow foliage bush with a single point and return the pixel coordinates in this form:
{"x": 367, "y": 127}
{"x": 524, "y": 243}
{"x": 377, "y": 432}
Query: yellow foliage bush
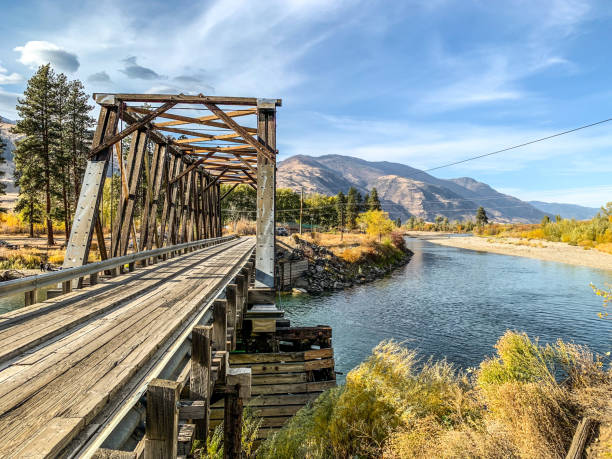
{"x": 523, "y": 402}
{"x": 20, "y": 259}
{"x": 56, "y": 257}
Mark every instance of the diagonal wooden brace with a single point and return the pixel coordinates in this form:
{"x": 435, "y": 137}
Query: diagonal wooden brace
{"x": 263, "y": 149}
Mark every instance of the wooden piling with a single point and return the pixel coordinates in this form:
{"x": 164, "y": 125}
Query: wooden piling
{"x": 199, "y": 381}
{"x": 219, "y": 331}
{"x": 231, "y": 296}
{"x": 239, "y": 385}
{"x": 162, "y": 419}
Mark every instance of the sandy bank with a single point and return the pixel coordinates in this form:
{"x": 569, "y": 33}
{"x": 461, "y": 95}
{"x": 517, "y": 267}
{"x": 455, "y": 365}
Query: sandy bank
{"x": 542, "y": 250}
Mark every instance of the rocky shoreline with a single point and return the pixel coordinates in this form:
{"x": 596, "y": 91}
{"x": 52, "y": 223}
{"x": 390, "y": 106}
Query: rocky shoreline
{"x": 327, "y": 272}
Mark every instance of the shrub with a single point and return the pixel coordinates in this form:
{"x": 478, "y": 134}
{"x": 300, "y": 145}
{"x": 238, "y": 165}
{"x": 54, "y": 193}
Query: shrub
{"x": 245, "y": 227}
{"x": 397, "y": 238}
{"x": 523, "y": 402}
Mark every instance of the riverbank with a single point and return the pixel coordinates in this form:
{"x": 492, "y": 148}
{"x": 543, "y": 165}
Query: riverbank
{"x": 335, "y": 264}
{"x": 542, "y": 250}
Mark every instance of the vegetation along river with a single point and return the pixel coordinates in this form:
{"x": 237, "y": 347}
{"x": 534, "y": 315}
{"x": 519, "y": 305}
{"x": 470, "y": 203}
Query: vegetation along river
{"x": 456, "y": 303}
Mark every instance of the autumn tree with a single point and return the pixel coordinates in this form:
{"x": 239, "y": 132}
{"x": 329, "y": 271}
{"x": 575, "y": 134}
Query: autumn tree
{"x": 376, "y": 223}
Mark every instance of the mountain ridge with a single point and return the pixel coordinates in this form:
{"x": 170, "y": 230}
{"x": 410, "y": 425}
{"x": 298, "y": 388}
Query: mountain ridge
{"x": 404, "y": 191}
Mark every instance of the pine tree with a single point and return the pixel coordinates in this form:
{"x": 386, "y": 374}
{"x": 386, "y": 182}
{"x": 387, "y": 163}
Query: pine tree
{"x": 341, "y": 209}
{"x": 61, "y": 155}
{"x": 2, "y": 163}
{"x": 34, "y": 155}
{"x": 362, "y": 204}
{"x": 374, "y": 202}
{"x": 481, "y": 216}
{"x": 77, "y": 136}
{"x": 352, "y": 207}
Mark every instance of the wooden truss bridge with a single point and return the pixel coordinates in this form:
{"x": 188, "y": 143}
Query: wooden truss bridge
{"x": 176, "y": 328}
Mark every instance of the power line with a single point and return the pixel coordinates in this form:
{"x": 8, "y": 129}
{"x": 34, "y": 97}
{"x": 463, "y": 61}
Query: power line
{"x": 518, "y": 146}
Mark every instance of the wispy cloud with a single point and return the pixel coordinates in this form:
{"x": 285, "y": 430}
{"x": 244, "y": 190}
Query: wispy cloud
{"x": 9, "y": 78}
{"x": 133, "y": 70}
{"x": 35, "y": 53}
{"x": 99, "y": 77}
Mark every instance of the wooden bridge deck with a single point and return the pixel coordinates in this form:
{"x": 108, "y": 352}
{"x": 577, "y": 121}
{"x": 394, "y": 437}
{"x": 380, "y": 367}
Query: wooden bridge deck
{"x": 62, "y": 361}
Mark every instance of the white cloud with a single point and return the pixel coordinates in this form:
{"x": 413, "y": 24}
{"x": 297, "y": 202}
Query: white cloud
{"x": 426, "y": 145}
{"x": 35, "y": 53}
{"x": 6, "y": 78}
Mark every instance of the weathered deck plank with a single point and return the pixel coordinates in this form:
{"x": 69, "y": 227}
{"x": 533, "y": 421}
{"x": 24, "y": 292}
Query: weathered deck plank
{"x": 72, "y": 365}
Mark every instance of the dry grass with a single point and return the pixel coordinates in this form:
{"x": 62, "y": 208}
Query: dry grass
{"x": 524, "y": 402}
{"x": 245, "y": 227}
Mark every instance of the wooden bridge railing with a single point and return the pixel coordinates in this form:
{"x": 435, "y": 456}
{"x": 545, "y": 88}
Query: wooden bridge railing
{"x": 67, "y": 276}
{"x": 178, "y": 411}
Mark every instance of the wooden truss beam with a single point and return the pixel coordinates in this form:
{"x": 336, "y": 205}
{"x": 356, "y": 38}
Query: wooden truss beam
{"x": 228, "y": 191}
{"x": 131, "y": 128}
{"x": 232, "y": 114}
{"x": 261, "y": 148}
{"x": 109, "y": 98}
{"x": 187, "y": 171}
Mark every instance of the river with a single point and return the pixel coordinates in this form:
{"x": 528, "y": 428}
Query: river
{"x": 454, "y": 303}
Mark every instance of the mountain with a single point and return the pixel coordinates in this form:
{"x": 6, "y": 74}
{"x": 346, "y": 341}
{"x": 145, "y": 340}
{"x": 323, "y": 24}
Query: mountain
{"x": 10, "y": 139}
{"x": 403, "y": 190}
{"x": 566, "y": 210}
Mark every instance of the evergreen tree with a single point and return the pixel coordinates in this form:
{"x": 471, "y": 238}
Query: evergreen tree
{"x": 373, "y": 201}
{"x": 398, "y": 222}
{"x": 77, "y": 135}
{"x": 38, "y": 169}
{"x": 352, "y": 207}
{"x": 481, "y": 216}
{"x": 2, "y": 162}
{"x": 341, "y": 209}
{"x": 362, "y": 204}
{"x": 61, "y": 154}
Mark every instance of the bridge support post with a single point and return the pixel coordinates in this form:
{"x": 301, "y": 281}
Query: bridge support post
{"x": 239, "y": 392}
{"x": 266, "y": 187}
{"x": 219, "y": 331}
{"x": 231, "y": 296}
{"x": 162, "y": 418}
{"x": 199, "y": 381}
{"x": 240, "y": 297}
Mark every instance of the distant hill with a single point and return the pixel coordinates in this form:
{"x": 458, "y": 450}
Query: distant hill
{"x": 404, "y": 190}
{"x": 566, "y": 210}
{"x": 9, "y": 138}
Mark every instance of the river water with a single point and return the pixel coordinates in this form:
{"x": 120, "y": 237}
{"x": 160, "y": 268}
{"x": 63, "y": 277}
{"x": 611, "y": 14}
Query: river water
{"x": 456, "y": 303}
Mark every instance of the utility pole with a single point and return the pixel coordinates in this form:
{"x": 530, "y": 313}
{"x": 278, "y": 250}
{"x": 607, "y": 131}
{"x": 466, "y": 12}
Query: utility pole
{"x": 301, "y": 207}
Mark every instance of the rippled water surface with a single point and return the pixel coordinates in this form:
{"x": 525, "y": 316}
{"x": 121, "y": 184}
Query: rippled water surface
{"x": 455, "y": 303}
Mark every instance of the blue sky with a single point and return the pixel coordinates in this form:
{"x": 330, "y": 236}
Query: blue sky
{"x": 418, "y": 82}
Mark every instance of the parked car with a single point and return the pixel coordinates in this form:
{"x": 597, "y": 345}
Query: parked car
{"x": 280, "y": 231}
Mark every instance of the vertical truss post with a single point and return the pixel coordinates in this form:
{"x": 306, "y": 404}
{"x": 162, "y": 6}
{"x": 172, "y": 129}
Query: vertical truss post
{"x": 149, "y": 218}
{"x": 86, "y": 211}
{"x": 125, "y": 209}
{"x": 172, "y": 226}
{"x": 266, "y": 187}
{"x": 186, "y": 209}
{"x": 169, "y": 175}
